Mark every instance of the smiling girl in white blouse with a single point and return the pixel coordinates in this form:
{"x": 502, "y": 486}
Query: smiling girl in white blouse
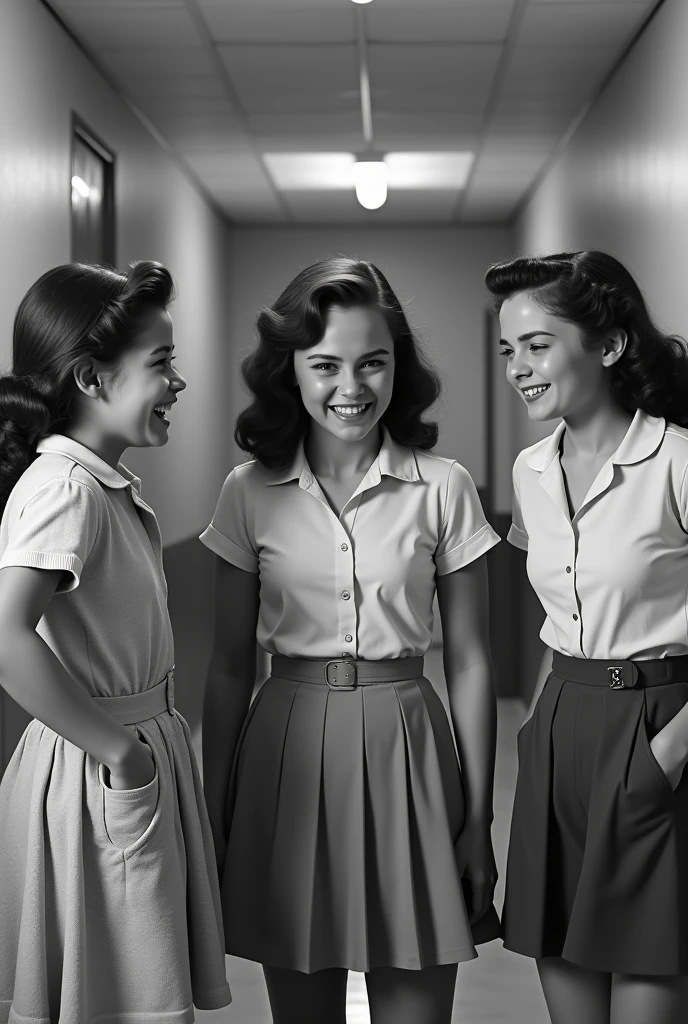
{"x": 597, "y": 879}
{"x": 346, "y": 830}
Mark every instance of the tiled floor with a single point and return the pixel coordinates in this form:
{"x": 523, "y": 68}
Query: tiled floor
{"x": 497, "y": 988}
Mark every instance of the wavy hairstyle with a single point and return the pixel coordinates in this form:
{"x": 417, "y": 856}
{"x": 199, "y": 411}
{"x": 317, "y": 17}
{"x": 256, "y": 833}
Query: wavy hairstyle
{"x": 276, "y": 420}
{"x": 596, "y": 292}
{"x": 73, "y": 312}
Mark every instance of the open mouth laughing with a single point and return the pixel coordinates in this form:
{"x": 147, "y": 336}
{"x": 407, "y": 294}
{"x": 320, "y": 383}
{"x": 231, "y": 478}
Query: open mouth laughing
{"x": 161, "y": 409}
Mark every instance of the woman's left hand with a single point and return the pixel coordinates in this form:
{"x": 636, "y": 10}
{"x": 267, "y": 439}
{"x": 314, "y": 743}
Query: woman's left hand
{"x": 476, "y": 862}
{"x": 668, "y": 758}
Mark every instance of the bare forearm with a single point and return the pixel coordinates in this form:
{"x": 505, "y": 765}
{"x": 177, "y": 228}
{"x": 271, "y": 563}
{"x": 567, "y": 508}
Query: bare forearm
{"x": 36, "y": 679}
{"x": 227, "y": 698}
{"x": 474, "y": 716}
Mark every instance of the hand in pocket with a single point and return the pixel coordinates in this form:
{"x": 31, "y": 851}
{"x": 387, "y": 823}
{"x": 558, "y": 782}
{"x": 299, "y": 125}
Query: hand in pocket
{"x": 136, "y": 771}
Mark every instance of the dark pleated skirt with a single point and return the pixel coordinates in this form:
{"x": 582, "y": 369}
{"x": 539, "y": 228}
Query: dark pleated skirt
{"x": 344, "y": 809}
{"x": 598, "y": 857}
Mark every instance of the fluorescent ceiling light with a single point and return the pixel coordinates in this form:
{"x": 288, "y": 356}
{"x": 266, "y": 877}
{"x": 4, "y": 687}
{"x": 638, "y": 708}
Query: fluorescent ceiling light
{"x": 291, "y": 171}
{"x": 370, "y": 181}
{"x": 428, "y": 170}
{"x": 362, "y": 1}
{"x": 421, "y": 171}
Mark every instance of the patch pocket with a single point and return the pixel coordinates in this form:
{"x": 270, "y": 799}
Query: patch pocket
{"x": 128, "y": 814}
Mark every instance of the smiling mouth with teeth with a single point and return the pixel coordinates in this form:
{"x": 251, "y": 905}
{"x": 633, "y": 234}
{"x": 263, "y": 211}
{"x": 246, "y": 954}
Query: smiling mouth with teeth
{"x": 161, "y": 409}
{"x": 538, "y": 389}
{"x": 350, "y": 410}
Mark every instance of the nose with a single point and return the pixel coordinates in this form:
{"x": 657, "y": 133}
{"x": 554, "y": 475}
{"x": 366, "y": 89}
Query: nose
{"x": 518, "y": 367}
{"x": 350, "y": 386}
{"x": 177, "y": 382}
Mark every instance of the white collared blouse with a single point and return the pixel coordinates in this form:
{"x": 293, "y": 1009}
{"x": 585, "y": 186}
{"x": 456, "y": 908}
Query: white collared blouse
{"x": 108, "y": 624}
{"x": 614, "y": 580}
{"x": 363, "y": 583}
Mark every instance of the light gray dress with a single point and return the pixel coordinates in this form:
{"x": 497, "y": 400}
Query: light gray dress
{"x": 109, "y": 902}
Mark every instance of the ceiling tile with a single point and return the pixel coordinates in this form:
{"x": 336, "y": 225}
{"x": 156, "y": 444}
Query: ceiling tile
{"x": 117, "y": 5}
{"x": 596, "y": 24}
{"x": 432, "y": 77}
{"x": 188, "y": 60}
{"x": 248, "y": 21}
{"x": 140, "y": 27}
{"x": 172, "y": 87}
{"x": 297, "y": 78}
{"x": 316, "y": 127}
{"x": 468, "y": 22}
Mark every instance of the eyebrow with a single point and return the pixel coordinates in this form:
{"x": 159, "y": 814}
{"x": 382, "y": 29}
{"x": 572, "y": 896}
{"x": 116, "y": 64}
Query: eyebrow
{"x": 162, "y": 348}
{"x": 338, "y": 359}
{"x": 527, "y": 337}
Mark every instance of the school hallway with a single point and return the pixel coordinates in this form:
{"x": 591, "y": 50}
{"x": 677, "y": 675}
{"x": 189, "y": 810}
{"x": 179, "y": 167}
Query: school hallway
{"x": 230, "y": 139}
{"x": 498, "y": 988}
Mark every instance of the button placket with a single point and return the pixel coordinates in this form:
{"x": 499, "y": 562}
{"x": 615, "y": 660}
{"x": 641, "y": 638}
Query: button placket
{"x": 345, "y": 583}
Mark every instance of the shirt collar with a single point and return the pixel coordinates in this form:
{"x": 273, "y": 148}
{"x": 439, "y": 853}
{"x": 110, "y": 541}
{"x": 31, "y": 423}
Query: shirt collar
{"x": 58, "y": 444}
{"x": 393, "y": 460}
{"x": 641, "y": 440}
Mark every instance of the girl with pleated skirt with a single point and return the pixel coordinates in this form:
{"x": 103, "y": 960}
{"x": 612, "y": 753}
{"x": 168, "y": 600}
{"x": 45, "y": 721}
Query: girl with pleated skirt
{"x": 597, "y": 875}
{"x": 346, "y": 833}
{"x": 109, "y": 900}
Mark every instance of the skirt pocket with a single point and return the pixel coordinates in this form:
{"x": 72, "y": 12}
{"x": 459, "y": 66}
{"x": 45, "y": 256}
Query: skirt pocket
{"x": 129, "y": 814}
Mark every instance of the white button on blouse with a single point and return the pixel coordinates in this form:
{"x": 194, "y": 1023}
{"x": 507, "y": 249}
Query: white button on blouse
{"x": 365, "y": 578}
{"x": 614, "y": 580}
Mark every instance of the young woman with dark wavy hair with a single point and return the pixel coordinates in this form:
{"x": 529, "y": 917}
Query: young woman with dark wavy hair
{"x": 109, "y": 903}
{"x": 344, "y": 831}
{"x": 597, "y": 879}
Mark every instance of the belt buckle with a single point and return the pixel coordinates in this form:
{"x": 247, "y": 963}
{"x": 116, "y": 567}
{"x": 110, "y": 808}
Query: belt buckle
{"x": 169, "y": 690}
{"x": 617, "y": 679}
{"x": 344, "y": 668}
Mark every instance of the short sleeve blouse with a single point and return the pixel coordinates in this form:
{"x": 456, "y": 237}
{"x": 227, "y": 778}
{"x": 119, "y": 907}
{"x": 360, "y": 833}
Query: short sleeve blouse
{"x": 108, "y": 623}
{"x": 614, "y": 580}
{"x": 363, "y": 583}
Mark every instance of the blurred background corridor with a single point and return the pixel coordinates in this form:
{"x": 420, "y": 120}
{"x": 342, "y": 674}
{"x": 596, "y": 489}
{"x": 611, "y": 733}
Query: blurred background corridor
{"x": 223, "y": 138}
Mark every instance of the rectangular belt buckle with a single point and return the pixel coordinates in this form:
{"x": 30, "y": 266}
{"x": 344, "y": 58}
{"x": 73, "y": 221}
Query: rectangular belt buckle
{"x": 617, "y": 677}
{"x": 169, "y": 691}
{"x": 340, "y": 675}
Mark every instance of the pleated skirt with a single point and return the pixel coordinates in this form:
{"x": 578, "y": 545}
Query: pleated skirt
{"x": 343, "y": 812}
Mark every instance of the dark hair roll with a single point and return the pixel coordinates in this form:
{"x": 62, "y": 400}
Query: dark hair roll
{"x": 597, "y": 293}
{"x": 271, "y": 427}
{"x": 72, "y": 313}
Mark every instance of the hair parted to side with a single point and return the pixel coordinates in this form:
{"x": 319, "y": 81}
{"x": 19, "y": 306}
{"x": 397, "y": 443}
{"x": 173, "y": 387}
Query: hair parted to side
{"x": 73, "y": 312}
{"x": 596, "y": 292}
{"x": 276, "y": 420}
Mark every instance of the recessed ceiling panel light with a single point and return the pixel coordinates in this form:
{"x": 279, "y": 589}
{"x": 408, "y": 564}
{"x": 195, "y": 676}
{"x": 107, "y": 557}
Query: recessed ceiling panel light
{"x": 310, "y": 170}
{"x": 428, "y": 170}
{"x": 362, "y": 1}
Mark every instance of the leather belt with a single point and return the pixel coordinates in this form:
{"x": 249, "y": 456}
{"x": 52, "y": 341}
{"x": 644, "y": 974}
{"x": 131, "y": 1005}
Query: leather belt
{"x": 346, "y": 673}
{"x": 619, "y": 674}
